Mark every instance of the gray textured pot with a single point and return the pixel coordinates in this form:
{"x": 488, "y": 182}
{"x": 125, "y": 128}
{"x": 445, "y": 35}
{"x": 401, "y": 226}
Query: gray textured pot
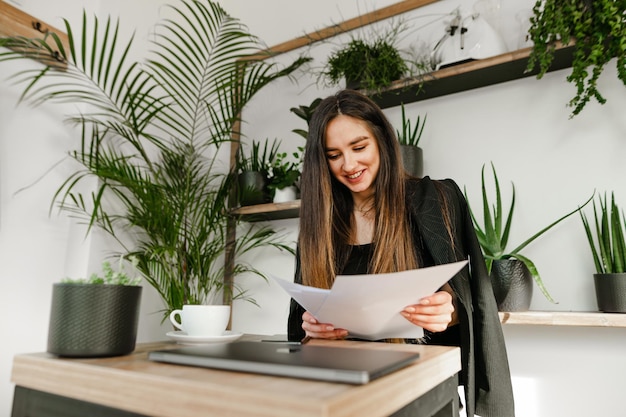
{"x": 512, "y": 285}
{"x": 611, "y": 292}
{"x": 92, "y": 320}
{"x": 413, "y": 160}
{"x": 253, "y": 188}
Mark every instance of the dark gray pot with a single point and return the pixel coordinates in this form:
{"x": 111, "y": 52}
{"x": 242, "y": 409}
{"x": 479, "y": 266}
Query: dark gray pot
{"x": 92, "y": 320}
{"x": 413, "y": 160}
{"x": 253, "y": 188}
{"x": 611, "y": 292}
{"x": 512, "y": 285}
{"x": 353, "y": 84}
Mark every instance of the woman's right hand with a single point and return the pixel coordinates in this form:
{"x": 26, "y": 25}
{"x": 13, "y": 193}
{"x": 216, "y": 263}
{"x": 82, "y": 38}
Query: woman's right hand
{"x": 317, "y": 330}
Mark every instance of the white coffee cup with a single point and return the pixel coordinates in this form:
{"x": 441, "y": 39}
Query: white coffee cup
{"x": 201, "y": 320}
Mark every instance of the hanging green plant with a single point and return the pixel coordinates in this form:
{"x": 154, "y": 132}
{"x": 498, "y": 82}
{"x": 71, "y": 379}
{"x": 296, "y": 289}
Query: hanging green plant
{"x": 597, "y": 31}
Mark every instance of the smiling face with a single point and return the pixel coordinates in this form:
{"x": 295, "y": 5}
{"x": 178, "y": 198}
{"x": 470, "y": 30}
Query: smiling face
{"x": 353, "y": 155}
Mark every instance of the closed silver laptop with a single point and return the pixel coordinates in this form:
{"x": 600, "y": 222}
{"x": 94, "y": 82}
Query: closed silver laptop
{"x": 327, "y": 363}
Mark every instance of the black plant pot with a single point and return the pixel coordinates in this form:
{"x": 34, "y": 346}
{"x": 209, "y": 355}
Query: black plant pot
{"x": 253, "y": 188}
{"x": 512, "y": 285}
{"x": 93, "y": 320}
{"x": 611, "y": 292}
{"x": 413, "y": 160}
{"x": 353, "y": 84}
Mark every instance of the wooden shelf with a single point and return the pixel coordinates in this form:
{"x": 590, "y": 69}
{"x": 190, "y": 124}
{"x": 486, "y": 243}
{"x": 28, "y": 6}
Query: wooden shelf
{"x": 269, "y": 211}
{"x": 564, "y": 318}
{"x": 387, "y": 12}
{"x": 15, "y": 22}
{"x": 454, "y": 79}
{"x": 462, "y": 77}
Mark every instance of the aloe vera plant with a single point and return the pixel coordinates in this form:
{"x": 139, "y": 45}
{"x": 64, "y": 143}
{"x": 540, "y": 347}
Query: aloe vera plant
{"x": 410, "y": 135}
{"x": 609, "y": 252}
{"x": 493, "y": 236}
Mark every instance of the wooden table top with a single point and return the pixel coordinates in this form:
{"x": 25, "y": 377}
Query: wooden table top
{"x": 136, "y": 384}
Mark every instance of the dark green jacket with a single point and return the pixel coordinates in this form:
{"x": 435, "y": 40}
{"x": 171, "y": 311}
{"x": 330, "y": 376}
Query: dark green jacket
{"x": 485, "y": 369}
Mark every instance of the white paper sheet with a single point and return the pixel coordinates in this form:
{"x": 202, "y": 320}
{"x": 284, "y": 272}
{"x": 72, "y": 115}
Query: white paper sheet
{"x": 369, "y": 306}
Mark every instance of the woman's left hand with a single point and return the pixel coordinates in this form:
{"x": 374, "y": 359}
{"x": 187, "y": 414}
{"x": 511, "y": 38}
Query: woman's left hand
{"x": 433, "y": 313}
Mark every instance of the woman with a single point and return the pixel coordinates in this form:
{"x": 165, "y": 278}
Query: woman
{"x": 362, "y": 213}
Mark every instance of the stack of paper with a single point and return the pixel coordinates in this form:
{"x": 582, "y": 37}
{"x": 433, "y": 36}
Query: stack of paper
{"x": 369, "y": 306}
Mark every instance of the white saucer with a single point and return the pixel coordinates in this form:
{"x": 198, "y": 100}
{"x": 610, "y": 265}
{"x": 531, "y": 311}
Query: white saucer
{"x": 183, "y": 338}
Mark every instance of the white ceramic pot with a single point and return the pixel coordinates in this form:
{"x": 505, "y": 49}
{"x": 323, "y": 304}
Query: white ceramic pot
{"x": 285, "y": 194}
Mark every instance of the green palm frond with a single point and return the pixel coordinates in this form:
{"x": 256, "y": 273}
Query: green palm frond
{"x": 151, "y": 134}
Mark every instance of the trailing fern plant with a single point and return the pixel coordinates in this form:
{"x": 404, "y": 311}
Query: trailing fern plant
{"x": 597, "y": 31}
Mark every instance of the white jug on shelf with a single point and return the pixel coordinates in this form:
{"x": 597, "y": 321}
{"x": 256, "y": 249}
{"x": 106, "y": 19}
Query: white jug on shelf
{"x": 468, "y": 37}
{"x": 285, "y": 194}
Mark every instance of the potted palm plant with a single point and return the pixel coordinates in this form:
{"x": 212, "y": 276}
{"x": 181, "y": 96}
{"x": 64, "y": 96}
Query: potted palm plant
{"x": 511, "y": 272}
{"x": 597, "y": 31}
{"x": 97, "y": 316}
{"x": 409, "y": 137}
{"x": 609, "y": 254}
{"x": 153, "y": 133}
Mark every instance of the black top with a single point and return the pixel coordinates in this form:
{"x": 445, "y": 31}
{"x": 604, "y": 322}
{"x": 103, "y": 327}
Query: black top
{"x": 361, "y": 255}
{"x": 485, "y": 368}
{"x": 359, "y": 258}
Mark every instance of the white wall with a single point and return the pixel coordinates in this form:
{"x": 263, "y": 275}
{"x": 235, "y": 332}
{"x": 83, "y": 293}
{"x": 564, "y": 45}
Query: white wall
{"x": 37, "y": 250}
{"x": 522, "y": 126}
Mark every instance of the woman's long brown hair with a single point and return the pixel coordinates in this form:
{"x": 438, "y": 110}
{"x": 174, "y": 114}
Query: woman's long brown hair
{"x": 326, "y": 213}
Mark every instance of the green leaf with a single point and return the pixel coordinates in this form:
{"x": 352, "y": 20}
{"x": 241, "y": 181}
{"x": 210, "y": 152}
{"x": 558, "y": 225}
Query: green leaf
{"x": 597, "y": 33}
{"x": 493, "y": 238}
{"x": 609, "y": 254}
{"x": 153, "y": 133}
{"x": 535, "y": 274}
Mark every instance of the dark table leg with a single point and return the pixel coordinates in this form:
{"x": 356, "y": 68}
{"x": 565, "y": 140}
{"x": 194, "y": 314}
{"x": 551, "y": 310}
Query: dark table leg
{"x": 441, "y": 401}
{"x": 32, "y": 403}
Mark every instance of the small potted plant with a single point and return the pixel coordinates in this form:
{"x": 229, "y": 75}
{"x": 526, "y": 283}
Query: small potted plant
{"x": 597, "y": 31}
{"x": 609, "y": 254}
{"x": 254, "y": 172}
{"x": 97, "y": 316}
{"x": 409, "y": 137}
{"x": 369, "y": 63}
{"x": 511, "y": 272}
{"x": 284, "y": 176}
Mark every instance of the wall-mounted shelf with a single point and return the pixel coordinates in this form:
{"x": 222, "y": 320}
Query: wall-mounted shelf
{"x": 564, "y": 318}
{"x": 269, "y": 211}
{"x": 15, "y": 22}
{"x": 462, "y": 77}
